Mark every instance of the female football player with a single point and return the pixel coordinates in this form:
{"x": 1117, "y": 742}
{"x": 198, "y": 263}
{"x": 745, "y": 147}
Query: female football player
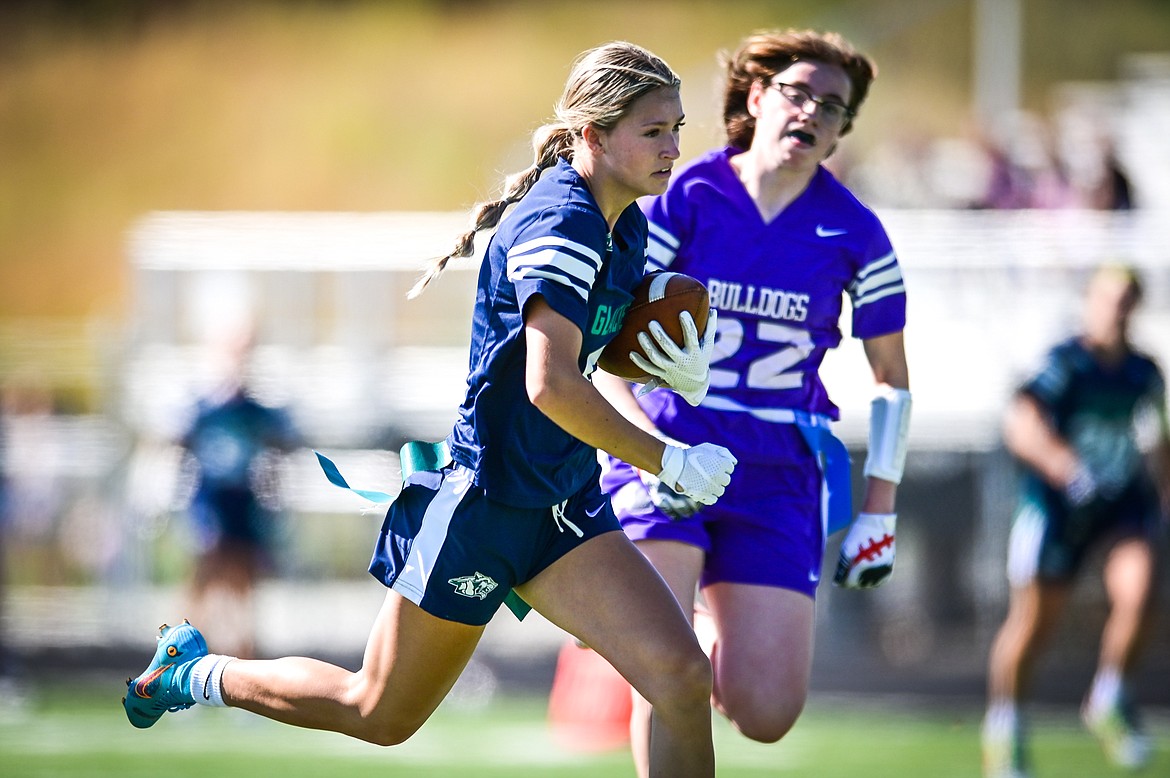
{"x": 1090, "y": 432}
{"x": 777, "y": 239}
{"x": 516, "y": 506}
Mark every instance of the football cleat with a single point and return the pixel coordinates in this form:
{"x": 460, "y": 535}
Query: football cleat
{"x": 1116, "y": 728}
{"x": 165, "y": 686}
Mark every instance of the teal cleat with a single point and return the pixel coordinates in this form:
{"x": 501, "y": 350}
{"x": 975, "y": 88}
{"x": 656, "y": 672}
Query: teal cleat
{"x": 1120, "y": 734}
{"x": 166, "y": 683}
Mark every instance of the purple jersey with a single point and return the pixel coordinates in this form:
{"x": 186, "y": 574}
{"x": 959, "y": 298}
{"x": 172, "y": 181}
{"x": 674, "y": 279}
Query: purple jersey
{"x": 778, "y": 289}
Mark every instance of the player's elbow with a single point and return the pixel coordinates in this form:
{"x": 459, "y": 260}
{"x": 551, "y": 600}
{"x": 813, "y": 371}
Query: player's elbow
{"x": 548, "y": 391}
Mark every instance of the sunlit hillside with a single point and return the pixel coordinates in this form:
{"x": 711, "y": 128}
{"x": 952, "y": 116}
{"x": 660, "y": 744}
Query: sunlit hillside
{"x": 363, "y": 106}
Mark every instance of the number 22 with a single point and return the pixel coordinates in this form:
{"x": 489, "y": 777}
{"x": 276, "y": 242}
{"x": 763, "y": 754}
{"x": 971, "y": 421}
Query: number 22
{"x": 771, "y": 371}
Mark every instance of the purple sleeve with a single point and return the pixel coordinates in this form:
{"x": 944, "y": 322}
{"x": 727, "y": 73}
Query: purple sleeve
{"x": 877, "y": 291}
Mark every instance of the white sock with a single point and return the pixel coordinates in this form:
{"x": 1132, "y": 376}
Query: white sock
{"x": 1002, "y": 719}
{"x": 1106, "y": 689}
{"x": 206, "y": 676}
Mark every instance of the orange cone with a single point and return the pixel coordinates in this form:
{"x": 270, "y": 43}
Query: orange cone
{"x": 589, "y": 706}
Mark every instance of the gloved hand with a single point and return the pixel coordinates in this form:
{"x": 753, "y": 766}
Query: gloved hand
{"x": 700, "y": 472}
{"x": 1082, "y": 488}
{"x": 686, "y": 370}
{"x": 867, "y": 553}
{"x": 667, "y": 500}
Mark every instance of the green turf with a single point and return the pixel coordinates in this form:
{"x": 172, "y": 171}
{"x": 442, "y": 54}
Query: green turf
{"x": 53, "y": 735}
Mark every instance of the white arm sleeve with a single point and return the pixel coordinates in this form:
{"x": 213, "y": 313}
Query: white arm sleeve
{"x": 889, "y": 428}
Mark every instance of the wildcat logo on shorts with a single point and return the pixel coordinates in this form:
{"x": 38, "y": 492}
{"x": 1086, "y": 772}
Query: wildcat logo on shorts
{"x": 477, "y": 585}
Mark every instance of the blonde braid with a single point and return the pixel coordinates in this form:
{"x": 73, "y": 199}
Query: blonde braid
{"x": 549, "y": 143}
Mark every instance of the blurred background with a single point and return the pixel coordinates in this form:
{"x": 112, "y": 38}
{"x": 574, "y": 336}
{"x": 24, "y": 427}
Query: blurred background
{"x": 176, "y": 172}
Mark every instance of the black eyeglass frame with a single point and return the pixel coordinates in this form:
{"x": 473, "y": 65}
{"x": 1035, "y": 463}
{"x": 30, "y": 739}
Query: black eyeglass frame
{"x": 803, "y": 97}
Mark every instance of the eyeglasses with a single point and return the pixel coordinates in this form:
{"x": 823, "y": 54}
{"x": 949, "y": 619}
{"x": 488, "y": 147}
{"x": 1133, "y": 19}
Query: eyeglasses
{"x": 832, "y": 112}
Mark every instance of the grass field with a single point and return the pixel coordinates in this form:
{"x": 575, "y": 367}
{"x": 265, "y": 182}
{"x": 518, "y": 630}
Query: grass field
{"x": 58, "y": 733}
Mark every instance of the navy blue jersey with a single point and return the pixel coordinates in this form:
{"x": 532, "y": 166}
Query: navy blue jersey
{"x": 556, "y": 244}
{"x": 227, "y": 435}
{"x": 227, "y": 438}
{"x": 1099, "y": 410}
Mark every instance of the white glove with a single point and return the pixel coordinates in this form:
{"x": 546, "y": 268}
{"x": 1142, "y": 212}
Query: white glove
{"x": 667, "y": 500}
{"x": 700, "y": 472}
{"x": 686, "y": 370}
{"x": 867, "y": 553}
{"x": 1082, "y": 487}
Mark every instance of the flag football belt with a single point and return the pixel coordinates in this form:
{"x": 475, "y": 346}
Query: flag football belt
{"x": 415, "y": 456}
{"x": 830, "y": 453}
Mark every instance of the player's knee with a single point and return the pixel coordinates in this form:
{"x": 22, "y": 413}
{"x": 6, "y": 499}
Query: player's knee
{"x": 685, "y": 681}
{"x": 766, "y": 726}
{"x": 377, "y": 719}
{"x": 386, "y": 732}
{"x": 763, "y": 718}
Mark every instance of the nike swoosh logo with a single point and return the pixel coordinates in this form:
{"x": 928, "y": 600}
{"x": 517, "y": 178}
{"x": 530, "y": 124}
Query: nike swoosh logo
{"x": 828, "y": 232}
{"x": 140, "y": 688}
{"x": 813, "y": 577}
{"x": 595, "y": 511}
{"x": 207, "y": 685}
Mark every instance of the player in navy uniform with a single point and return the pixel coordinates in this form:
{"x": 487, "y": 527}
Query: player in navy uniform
{"x": 518, "y": 508}
{"x": 1091, "y": 434}
{"x": 777, "y": 239}
{"x": 230, "y": 440}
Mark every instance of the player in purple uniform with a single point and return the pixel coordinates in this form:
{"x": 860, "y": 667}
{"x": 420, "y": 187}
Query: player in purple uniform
{"x": 515, "y": 505}
{"x": 777, "y": 239}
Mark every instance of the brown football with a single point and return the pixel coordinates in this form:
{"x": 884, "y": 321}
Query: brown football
{"x": 660, "y": 297}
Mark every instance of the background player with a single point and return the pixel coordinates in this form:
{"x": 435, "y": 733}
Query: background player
{"x": 777, "y": 239}
{"x": 519, "y": 507}
{"x": 1085, "y": 429}
{"x": 231, "y": 440}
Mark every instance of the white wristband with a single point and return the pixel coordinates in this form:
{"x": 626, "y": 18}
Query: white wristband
{"x": 889, "y": 429}
{"x": 673, "y": 461}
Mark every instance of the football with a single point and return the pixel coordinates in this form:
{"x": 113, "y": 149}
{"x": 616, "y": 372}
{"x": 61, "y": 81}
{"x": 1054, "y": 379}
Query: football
{"x": 660, "y": 297}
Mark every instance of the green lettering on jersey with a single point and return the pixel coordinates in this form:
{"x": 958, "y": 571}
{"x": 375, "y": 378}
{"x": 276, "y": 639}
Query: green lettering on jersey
{"x": 608, "y": 320}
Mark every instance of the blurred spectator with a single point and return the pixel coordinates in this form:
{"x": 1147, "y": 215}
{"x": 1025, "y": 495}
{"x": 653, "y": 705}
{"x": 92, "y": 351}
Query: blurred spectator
{"x": 232, "y": 440}
{"x": 35, "y": 486}
{"x": 1090, "y": 431}
{"x": 1113, "y": 191}
{"x": 30, "y": 503}
{"x": 1028, "y": 162}
{"x": 5, "y": 662}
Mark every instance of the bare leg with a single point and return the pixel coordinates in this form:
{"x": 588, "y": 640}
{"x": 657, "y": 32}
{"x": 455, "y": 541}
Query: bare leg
{"x": 1129, "y": 576}
{"x": 763, "y": 658}
{"x": 221, "y": 596}
{"x": 679, "y": 564}
{"x": 411, "y": 661}
{"x": 1032, "y": 615}
{"x": 606, "y": 593}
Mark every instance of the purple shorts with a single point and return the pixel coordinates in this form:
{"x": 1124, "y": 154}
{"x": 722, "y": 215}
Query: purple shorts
{"x": 764, "y": 530}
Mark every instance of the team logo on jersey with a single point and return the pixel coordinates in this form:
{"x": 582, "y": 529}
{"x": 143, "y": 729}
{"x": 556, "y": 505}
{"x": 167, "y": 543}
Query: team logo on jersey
{"x": 477, "y": 585}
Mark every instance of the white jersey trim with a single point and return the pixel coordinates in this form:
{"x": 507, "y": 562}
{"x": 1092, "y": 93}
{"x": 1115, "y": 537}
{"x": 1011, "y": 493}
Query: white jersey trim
{"x": 555, "y": 264}
{"x": 412, "y": 581}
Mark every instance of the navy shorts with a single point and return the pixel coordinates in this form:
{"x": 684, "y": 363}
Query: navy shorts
{"x": 457, "y": 554}
{"x": 765, "y": 529}
{"x": 1049, "y": 541}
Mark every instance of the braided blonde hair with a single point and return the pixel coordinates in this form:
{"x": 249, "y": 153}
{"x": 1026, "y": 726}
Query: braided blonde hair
{"x": 602, "y": 85}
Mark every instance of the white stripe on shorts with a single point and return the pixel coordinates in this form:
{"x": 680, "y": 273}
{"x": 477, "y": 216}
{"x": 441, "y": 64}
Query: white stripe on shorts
{"x": 411, "y": 583}
{"x": 1024, "y": 546}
